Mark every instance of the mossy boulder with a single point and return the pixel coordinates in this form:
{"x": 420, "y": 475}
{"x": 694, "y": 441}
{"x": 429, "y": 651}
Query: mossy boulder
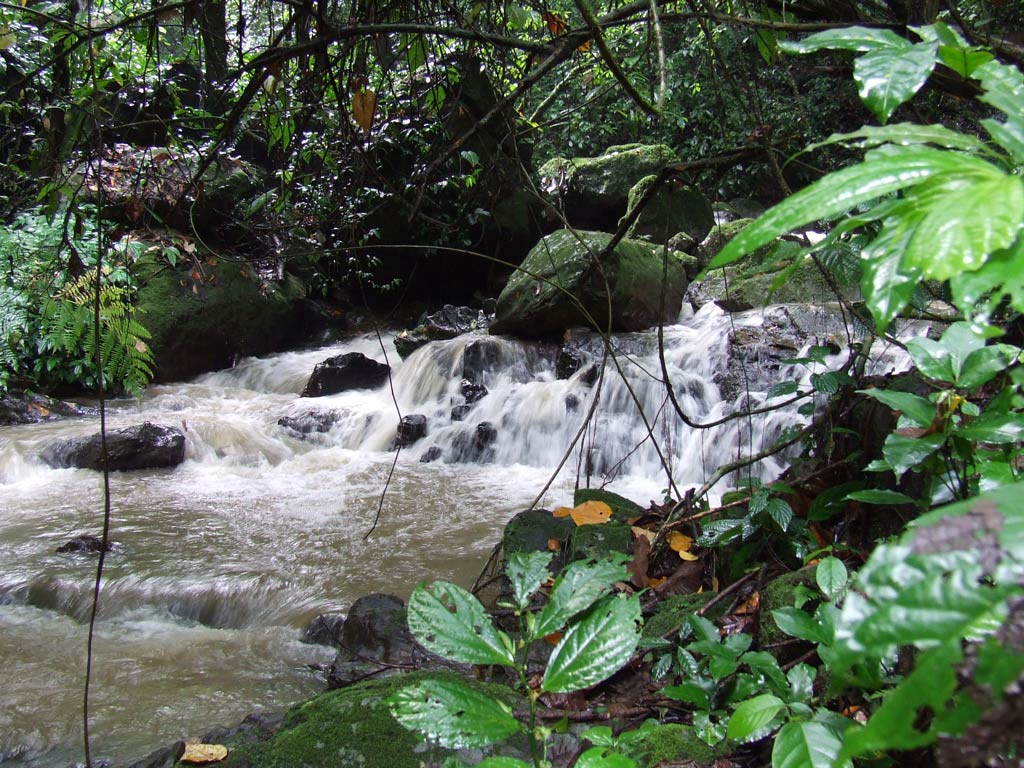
{"x": 782, "y": 592}
{"x": 674, "y": 208}
{"x": 623, "y": 510}
{"x": 593, "y": 192}
{"x": 352, "y": 727}
{"x": 676, "y": 744}
{"x": 541, "y": 298}
{"x": 204, "y": 319}
{"x": 672, "y": 612}
{"x": 600, "y": 542}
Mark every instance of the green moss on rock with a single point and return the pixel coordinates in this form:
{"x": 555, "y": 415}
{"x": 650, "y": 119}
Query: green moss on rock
{"x": 561, "y": 274}
{"x": 674, "y": 208}
{"x": 781, "y": 592}
{"x": 623, "y": 510}
{"x": 676, "y": 744}
{"x": 598, "y": 542}
{"x": 672, "y": 612}
{"x": 203, "y": 325}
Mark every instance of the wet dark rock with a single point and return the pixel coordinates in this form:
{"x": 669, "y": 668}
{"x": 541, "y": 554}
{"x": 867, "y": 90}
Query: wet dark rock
{"x": 165, "y": 757}
{"x": 30, "y": 408}
{"x": 476, "y": 446}
{"x": 473, "y": 392}
{"x": 143, "y": 446}
{"x": 589, "y": 376}
{"x": 343, "y": 372}
{"x": 479, "y": 358}
{"x": 433, "y": 453}
{"x": 533, "y": 530}
{"x": 447, "y": 323}
{"x": 310, "y": 422}
{"x": 376, "y": 636}
{"x": 85, "y": 543}
{"x": 459, "y": 412}
{"x": 410, "y": 429}
{"x": 733, "y": 305}
{"x": 568, "y": 362}
{"x": 572, "y": 403}
{"x": 325, "y": 629}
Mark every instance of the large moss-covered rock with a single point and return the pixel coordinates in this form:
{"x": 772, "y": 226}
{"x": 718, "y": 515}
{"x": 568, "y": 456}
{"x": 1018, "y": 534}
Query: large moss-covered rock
{"x": 539, "y": 298}
{"x": 594, "y": 191}
{"x": 205, "y": 319}
{"x": 674, "y": 208}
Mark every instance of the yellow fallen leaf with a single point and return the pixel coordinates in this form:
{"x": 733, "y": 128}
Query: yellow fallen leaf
{"x": 649, "y": 535}
{"x": 679, "y": 542}
{"x": 591, "y": 513}
{"x": 204, "y": 753}
{"x": 562, "y": 512}
{"x": 364, "y": 104}
{"x": 689, "y": 556}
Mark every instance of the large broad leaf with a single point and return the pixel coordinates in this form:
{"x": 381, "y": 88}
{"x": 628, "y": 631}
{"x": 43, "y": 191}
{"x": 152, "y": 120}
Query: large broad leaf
{"x": 979, "y": 293}
{"x": 905, "y": 134}
{"x": 599, "y": 757}
{"x": 526, "y": 572}
{"x": 887, "y": 77}
{"x": 848, "y": 39}
{"x": 887, "y": 289}
{"x": 831, "y": 575}
{"x": 595, "y": 647}
{"x": 983, "y": 365}
{"x": 960, "y": 232}
{"x": 955, "y": 52}
{"x": 902, "y": 453}
{"x": 807, "y": 745}
{"x": 753, "y": 718}
{"x": 577, "y": 588}
{"x": 1004, "y": 90}
{"x": 449, "y": 621}
{"x": 882, "y": 173}
{"x": 914, "y": 407}
{"x": 453, "y": 714}
{"x": 997, "y": 428}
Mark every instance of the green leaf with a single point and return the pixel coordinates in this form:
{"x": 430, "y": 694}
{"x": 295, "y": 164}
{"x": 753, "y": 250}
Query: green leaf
{"x": 453, "y": 714}
{"x": 998, "y": 428}
{"x": 903, "y": 453}
{"x": 880, "y": 496}
{"x": 983, "y": 365}
{"x": 599, "y": 736}
{"x": 526, "y": 572}
{"x": 840, "y": 191}
{"x": 887, "y": 77}
{"x": 690, "y": 692}
{"x": 503, "y": 762}
{"x": 595, "y": 757}
{"x": 449, "y": 621}
{"x": 831, "y": 575}
{"x": 783, "y": 388}
{"x": 959, "y": 232}
{"x": 1004, "y": 90}
{"x": 807, "y": 744}
{"x": 914, "y": 407}
{"x": 595, "y": 647}
{"x": 979, "y": 293}
{"x": 848, "y": 39}
{"x": 577, "y": 588}
{"x": 779, "y": 511}
{"x": 906, "y": 134}
{"x": 753, "y": 718}
{"x": 798, "y": 623}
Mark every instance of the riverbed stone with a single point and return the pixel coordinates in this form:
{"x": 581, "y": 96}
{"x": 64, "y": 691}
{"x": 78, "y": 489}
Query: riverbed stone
{"x": 353, "y": 370}
{"x": 411, "y": 428}
{"x": 310, "y": 422}
{"x": 480, "y": 357}
{"x": 674, "y": 208}
{"x": 476, "y": 446}
{"x": 21, "y": 407}
{"x": 536, "y": 300}
{"x": 472, "y": 392}
{"x": 325, "y": 629}
{"x": 85, "y": 543}
{"x": 143, "y": 446}
{"x": 447, "y": 323}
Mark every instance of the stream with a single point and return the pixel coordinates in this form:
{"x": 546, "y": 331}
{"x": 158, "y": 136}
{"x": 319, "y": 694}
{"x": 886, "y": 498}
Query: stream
{"x": 221, "y": 562}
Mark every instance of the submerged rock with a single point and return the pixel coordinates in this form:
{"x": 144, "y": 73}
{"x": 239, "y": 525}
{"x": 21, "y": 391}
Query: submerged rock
{"x": 476, "y": 447}
{"x": 479, "y": 358}
{"x": 31, "y": 408}
{"x": 310, "y": 422}
{"x": 86, "y": 543}
{"x": 325, "y": 629}
{"x": 473, "y": 392}
{"x": 446, "y": 323}
{"x": 410, "y": 429}
{"x": 353, "y": 370}
{"x": 144, "y": 446}
{"x": 541, "y": 299}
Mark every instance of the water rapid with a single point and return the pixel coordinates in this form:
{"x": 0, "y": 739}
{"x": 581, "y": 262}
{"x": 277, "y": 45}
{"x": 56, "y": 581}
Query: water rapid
{"x": 220, "y": 562}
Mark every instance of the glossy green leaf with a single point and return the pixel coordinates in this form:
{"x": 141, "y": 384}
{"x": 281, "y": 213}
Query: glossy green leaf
{"x": 783, "y": 388}
{"x": 979, "y": 293}
{"x": 984, "y": 364}
{"x": 595, "y": 647}
{"x": 526, "y": 572}
{"x": 914, "y": 407}
{"x": 577, "y": 588}
{"x": 831, "y": 576}
{"x": 453, "y": 714}
{"x": 807, "y": 744}
{"x": 840, "y": 191}
{"x": 880, "y": 496}
{"x": 599, "y": 736}
{"x": 906, "y": 134}
{"x": 932, "y": 359}
{"x": 998, "y": 428}
{"x": 887, "y": 77}
{"x": 503, "y": 762}
{"x": 690, "y": 692}
{"x": 752, "y": 719}
{"x": 449, "y": 621}
{"x": 958, "y": 233}
{"x": 798, "y": 623}
{"x": 903, "y": 453}
{"x": 780, "y": 512}
{"x": 847, "y": 39}
{"x": 1004, "y": 90}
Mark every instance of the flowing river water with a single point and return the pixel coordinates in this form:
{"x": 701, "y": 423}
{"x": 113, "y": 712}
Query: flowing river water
{"x": 222, "y": 561}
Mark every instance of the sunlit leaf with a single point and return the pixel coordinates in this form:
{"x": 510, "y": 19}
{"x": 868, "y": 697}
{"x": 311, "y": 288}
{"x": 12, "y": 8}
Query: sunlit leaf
{"x": 578, "y": 587}
{"x": 859, "y": 39}
{"x": 887, "y": 77}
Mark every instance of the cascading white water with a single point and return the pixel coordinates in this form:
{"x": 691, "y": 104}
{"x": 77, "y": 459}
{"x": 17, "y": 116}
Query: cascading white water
{"x": 221, "y": 561}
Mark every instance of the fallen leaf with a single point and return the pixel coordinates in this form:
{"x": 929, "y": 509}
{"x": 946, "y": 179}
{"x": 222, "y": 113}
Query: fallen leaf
{"x": 553, "y": 639}
{"x": 591, "y": 513}
{"x": 554, "y": 545}
{"x": 639, "y": 533}
{"x": 204, "y": 753}
{"x": 562, "y": 512}
{"x": 637, "y": 567}
{"x": 681, "y": 543}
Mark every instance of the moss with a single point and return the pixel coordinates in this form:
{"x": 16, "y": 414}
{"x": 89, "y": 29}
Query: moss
{"x": 623, "y": 510}
{"x": 780, "y": 592}
{"x": 675, "y": 208}
{"x": 202, "y": 324}
{"x": 597, "y": 542}
{"x": 675, "y": 744}
{"x": 672, "y": 612}
{"x": 351, "y": 727}
{"x": 531, "y": 530}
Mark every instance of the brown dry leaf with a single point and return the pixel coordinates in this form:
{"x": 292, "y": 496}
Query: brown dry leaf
{"x": 364, "y": 104}
{"x": 584, "y": 47}
{"x": 639, "y": 533}
{"x": 204, "y": 753}
{"x": 638, "y": 566}
{"x": 554, "y": 545}
{"x": 591, "y": 513}
{"x": 556, "y": 24}
{"x": 553, "y": 639}
{"x": 562, "y": 512}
